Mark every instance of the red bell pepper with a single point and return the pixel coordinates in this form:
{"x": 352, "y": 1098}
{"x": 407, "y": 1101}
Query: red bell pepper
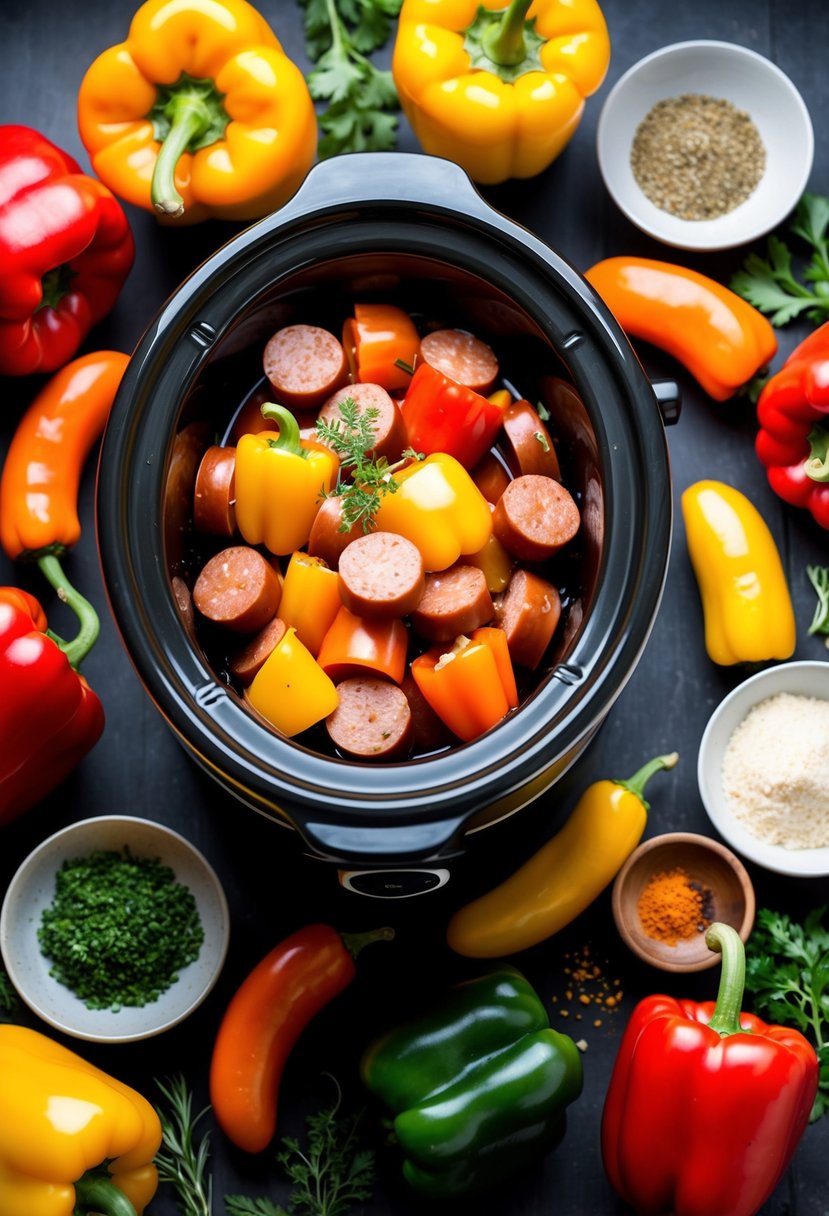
{"x": 49, "y": 717}
{"x": 444, "y": 416}
{"x": 706, "y": 1104}
{"x": 65, "y": 250}
{"x": 793, "y": 441}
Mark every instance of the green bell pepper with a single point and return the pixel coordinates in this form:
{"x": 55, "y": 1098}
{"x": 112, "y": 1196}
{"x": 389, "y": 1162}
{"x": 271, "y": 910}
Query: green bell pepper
{"x": 477, "y": 1086}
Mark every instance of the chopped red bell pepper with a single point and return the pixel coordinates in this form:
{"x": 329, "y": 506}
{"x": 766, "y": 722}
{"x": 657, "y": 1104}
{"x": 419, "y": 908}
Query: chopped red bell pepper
{"x": 65, "y": 250}
{"x": 444, "y": 416}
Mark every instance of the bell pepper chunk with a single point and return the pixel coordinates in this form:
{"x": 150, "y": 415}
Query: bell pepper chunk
{"x": 382, "y": 345}
{"x": 291, "y": 690}
{"x": 310, "y": 599}
{"x": 354, "y": 646}
{"x": 470, "y": 687}
{"x": 442, "y": 415}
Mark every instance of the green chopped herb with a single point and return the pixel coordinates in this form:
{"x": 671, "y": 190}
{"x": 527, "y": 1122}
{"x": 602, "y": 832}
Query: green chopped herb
{"x": 542, "y": 439}
{"x": 120, "y": 929}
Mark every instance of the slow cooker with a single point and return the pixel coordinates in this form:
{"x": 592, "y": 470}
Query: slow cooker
{"x": 408, "y": 228}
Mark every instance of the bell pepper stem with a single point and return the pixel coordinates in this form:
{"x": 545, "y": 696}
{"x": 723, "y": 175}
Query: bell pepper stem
{"x": 355, "y": 942}
{"x": 504, "y": 41}
{"x": 817, "y": 462}
{"x": 289, "y": 437}
{"x": 636, "y": 784}
{"x": 96, "y": 1192}
{"x": 726, "y": 1016}
{"x": 80, "y": 646}
{"x": 189, "y": 118}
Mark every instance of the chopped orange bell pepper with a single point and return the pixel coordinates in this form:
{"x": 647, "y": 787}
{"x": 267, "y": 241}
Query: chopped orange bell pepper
{"x": 470, "y": 687}
{"x": 310, "y": 598}
{"x": 354, "y": 646}
{"x": 382, "y": 344}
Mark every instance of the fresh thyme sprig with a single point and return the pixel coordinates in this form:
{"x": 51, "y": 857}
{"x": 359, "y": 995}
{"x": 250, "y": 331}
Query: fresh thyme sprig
{"x": 182, "y": 1161}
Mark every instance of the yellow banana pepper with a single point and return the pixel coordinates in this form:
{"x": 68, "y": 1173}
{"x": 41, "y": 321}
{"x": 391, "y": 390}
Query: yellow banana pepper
{"x": 746, "y": 603}
{"x": 198, "y": 113}
{"x": 280, "y": 482}
{"x": 290, "y": 690}
{"x": 72, "y": 1139}
{"x": 438, "y": 507}
{"x": 498, "y": 90}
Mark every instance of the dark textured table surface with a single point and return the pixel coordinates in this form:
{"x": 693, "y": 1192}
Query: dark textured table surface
{"x": 138, "y": 768}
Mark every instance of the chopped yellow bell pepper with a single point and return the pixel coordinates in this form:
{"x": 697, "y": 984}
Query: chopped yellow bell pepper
{"x": 310, "y": 599}
{"x": 290, "y": 689}
{"x": 745, "y": 597}
{"x": 280, "y": 482}
{"x": 72, "y": 1139}
{"x": 498, "y": 90}
{"x": 438, "y": 507}
{"x": 198, "y": 113}
{"x": 495, "y": 563}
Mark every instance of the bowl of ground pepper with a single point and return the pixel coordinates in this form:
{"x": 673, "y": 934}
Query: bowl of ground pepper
{"x": 670, "y": 890}
{"x": 114, "y": 929}
{"x": 705, "y": 145}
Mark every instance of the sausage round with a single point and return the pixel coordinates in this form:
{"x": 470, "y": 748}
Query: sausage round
{"x": 214, "y": 498}
{"x": 462, "y": 357}
{"x": 490, "y": 477}
{"x": 305, "y": 364}
{"x": 246, "y": 662}
{"x": 239, "y": 589}
{"x": 455, "y": 601}
{"x": 388, "y": 426}
{"x": 372, "y": 721}
{"x": 381, "y": 574}
{"x": 325, "y": 539}
{"x": 530, "y": 448}
{"x": 528, "y": 612}
{"x": 535, "y": 517}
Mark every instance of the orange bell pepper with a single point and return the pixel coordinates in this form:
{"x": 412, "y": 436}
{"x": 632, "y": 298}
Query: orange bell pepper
{"x": 354, "y": 646}
{"x": 310, "y": 598}
{"x": 382, "y": 345}
{"x": 472, "y": 686}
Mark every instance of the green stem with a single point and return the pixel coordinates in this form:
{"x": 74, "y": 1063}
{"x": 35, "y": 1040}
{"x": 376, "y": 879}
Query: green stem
{"x": 336, "y": 26}
{"x": 96, "y": 1192}
{"x": 189, "y": 117}
{"x": 504, "y": 41}
{"x": 355, "y": 942}
{"x": 817, "y": 462}
{"x": 726, "y": 1017}
{"x": 289, "y": 437}
{"x": 80, "y": 646}
{"x": 636, "y": 784}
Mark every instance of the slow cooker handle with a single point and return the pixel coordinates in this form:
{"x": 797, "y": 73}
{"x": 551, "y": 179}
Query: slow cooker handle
{"x": 404, "y": 845}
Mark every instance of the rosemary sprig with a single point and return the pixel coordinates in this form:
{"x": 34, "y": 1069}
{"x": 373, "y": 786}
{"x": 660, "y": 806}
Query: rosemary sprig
{"x": 180, "y": 1160}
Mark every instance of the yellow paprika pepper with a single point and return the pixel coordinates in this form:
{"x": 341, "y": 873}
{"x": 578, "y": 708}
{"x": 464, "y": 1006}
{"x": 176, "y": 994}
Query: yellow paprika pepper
{"x": 290, "y": 689}
{"x": 470, "y": 687}
{"x": 72, "y": 1139}
{"x": 746, "y": 603}
{"x": 438, "y": 507}
{"x": 310, "y": 599}
{"x": 280, "y": 481}
{"x": 499, "y": 90}
{"x": 198, "y": 113}
{"x": 566, "y": 874}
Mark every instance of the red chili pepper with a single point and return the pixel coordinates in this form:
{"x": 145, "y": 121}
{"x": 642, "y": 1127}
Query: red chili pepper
{"x": 793, "y": 441}
{"x": 49, "y": 717}
{"x": 444, "y": 416}
{"x": 264, "y": 1020}
{"x": 706, "y": 1104}
{"x": 65, "y": 250}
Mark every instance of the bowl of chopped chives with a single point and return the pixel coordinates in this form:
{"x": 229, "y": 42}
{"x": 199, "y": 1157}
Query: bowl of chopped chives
{"x": 705, "y": 145}
{"x": 114, "y": 929}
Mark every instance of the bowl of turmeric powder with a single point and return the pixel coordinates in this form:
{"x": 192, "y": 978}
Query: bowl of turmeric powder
{"x": 671, "y": 889}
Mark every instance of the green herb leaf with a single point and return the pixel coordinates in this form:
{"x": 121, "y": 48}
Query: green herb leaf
{"x": 241, "y": 1205}
{"x": 181, "y": 1160}
{"x": 770, "y": 284}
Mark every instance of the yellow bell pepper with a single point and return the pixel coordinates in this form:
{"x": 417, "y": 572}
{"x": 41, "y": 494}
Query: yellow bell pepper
{"x": 497, "y": 93}
{"x": 310, "y": 599}
{"x": 280, "y": 482}
{"x": 495, "y": 563}
{"x": 438, "y": 507}
{"x": 72, "y": 1139}
{"x": 566, "y": 874}
{"x": 290, "y": 689}
{"x": 198, "y": 113}
{"x": 746, "y": 603}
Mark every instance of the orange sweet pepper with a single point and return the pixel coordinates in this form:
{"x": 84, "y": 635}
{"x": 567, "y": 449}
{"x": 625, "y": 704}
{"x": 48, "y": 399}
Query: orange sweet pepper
{"x": 472, "y": 686}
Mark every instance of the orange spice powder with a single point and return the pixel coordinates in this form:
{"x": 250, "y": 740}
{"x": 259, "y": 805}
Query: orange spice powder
{"x": 673, "y": 907}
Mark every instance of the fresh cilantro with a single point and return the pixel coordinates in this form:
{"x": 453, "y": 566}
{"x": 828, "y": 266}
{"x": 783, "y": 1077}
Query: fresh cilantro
{"x": 787, "y": 971}
{"x": 819, "y": 578}
{"x": 770, "y": 283}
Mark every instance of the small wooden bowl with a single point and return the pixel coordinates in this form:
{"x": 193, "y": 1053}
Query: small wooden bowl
{"x": 705, "y": 861}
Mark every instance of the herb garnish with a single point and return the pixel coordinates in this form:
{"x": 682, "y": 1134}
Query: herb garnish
{"x": 180, "y": 1161}
{"x": 770, "y": 284}
{"x": 9, "y": 1001}
{"x": 819, "y": 578}
{"x": 787, "y": 970}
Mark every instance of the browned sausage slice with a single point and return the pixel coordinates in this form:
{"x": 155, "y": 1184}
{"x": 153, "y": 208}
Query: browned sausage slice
{"x": 535, "y": 517}
{"x": 372, "y": 721}
{"x": 455, "y": 601}
{"x": 490, "y": 477}
{"x": 325, "y": 539}
{"x": 528, "y": 612}
{"x": 305, "y": 364}
{"x": 391, "y": 437}
{"x": 461, "y": 357}
{"x": 214, "y": 499}
{"x": 529, "y": 445}
{"x": 381, "y": 574}
{"x": 239, "y": 589}
{"x": 246, "y": 662}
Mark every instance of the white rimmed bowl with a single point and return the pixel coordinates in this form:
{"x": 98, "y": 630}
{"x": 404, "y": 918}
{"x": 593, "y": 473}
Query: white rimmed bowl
{"x": 32, "y": 889}
{"x": 803, "y": 678}
{"x": 725, "y": 71}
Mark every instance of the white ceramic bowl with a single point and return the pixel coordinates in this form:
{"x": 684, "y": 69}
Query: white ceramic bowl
{"x": 725, "y": 71}
{"x": 807, "y": 679}
{"x": 32, "y": 889}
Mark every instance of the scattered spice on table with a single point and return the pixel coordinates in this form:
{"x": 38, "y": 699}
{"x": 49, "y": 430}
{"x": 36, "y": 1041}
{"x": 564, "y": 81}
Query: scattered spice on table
{"x": 674, "y": 907}
{"x": 120, "y": 928}
{"x": 697, "y": 157}
{"x": 588, "y": 984}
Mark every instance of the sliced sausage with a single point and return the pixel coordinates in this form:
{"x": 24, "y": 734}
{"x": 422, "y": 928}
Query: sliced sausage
{"x": 388, "y": 426}
{"x": 455, "y": 601}
{"x": 214, "y": 499}
{"x": 535, "y": 517}
{"x": 490, "y": 477}
{"x": 462, "y": 357}
{"x": 530, "y": 448}
{"x": 431, "y": 734}
{"x": 239, "y": 589}
{"x": 325, "y": 539}
{"x": 184, "y": 603}
{"x": 246, "y": 662}
{"x": 305, "y": 364}
{"x": 372, "y": 721}
{"x": 528, "y": 612}
{"x": 381, "y": 574}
